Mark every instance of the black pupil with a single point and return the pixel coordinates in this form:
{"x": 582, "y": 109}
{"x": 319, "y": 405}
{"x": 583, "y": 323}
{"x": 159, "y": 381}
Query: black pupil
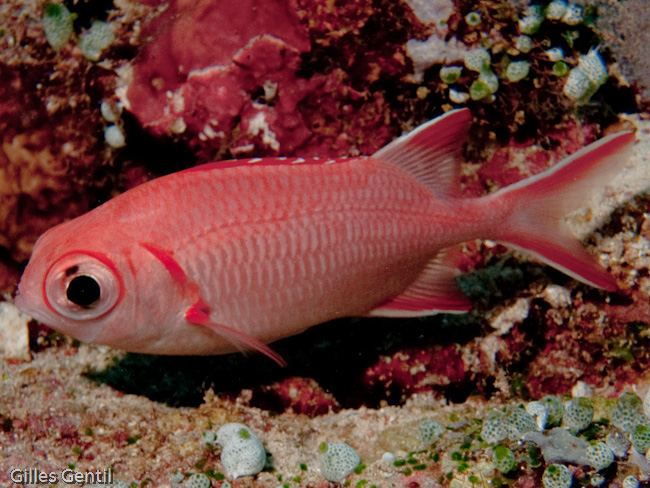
{"x": 83, "y": 291}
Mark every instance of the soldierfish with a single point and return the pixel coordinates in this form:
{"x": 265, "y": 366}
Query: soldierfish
{"x": 237, "y": 254}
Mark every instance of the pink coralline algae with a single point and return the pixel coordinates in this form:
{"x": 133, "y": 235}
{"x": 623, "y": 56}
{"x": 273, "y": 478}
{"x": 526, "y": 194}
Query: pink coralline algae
{"x": 418, "y": 370}
{"x": 603, "y": 345}
{"x": 225, "y": 77}
{"x": 297, "y": 395}
{"x": 205, "y": 60}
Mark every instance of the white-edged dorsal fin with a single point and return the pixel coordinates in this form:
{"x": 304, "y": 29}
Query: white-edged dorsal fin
{"x": 432, "y": 152}
{"x": 434, "y": 291}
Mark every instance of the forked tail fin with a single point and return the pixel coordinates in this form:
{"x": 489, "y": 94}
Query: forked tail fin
{"x": 539, "y": 204}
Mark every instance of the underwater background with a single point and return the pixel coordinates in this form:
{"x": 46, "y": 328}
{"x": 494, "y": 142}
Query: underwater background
{"x": 543, "y": 383}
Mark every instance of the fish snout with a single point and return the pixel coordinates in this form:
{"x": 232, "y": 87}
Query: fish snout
{"x": 21, "y": 302}
{"x": 27, "y": 302}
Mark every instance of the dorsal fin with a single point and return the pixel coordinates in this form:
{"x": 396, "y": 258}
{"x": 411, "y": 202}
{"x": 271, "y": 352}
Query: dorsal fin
{"x": 432, "y": 152}
{"x": 434, "y": 291}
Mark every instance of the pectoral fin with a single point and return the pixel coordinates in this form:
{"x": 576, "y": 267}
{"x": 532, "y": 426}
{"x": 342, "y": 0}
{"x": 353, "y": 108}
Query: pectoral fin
{"x": 199, "y": 313}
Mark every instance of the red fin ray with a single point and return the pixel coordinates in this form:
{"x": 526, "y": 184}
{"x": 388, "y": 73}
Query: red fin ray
{"x": 573, "y": 181}
{"x": 199, "y": 314}
{"x": 563, "y": 252}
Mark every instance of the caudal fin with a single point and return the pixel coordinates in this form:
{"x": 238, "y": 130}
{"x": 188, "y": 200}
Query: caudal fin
{"x": 539, "y": 204}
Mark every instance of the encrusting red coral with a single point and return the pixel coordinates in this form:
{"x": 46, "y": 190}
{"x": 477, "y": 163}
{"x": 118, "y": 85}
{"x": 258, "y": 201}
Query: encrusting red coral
{"x": 208, "y": 45}
{"x": 297, "y": 395}
{"x": 418, "y": 370}
{"x": 250, "y": 97}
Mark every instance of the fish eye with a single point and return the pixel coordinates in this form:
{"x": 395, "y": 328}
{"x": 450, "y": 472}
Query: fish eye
{"x": 84, "y": 291}
{"x": 82, "y": 286}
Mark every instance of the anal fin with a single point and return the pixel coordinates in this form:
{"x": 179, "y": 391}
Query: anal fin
{"x": 434, "y": 291}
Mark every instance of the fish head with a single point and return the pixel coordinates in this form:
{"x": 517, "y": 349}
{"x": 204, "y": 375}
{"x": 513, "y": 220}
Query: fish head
{"x": 90, "y": 279}
{"x": 74, "y": 285}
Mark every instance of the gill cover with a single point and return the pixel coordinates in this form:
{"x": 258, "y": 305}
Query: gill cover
{"x": 82, "y": 285}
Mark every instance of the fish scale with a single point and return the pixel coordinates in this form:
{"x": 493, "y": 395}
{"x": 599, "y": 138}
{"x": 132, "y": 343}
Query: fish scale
{"x": 316, "y": 249}
{"x": 237, "y": 254}
{"x": 367, "y": 233}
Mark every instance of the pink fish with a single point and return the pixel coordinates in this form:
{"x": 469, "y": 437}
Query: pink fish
{"x": 237, "y": 254}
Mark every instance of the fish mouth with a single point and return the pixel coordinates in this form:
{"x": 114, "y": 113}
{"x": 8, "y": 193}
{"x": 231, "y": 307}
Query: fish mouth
{"x": 22, "y": 303}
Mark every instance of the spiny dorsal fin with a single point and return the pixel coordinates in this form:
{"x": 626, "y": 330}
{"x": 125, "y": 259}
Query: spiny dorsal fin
{"x": 433, "y": 152}
{"x": 434, "y": 291}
